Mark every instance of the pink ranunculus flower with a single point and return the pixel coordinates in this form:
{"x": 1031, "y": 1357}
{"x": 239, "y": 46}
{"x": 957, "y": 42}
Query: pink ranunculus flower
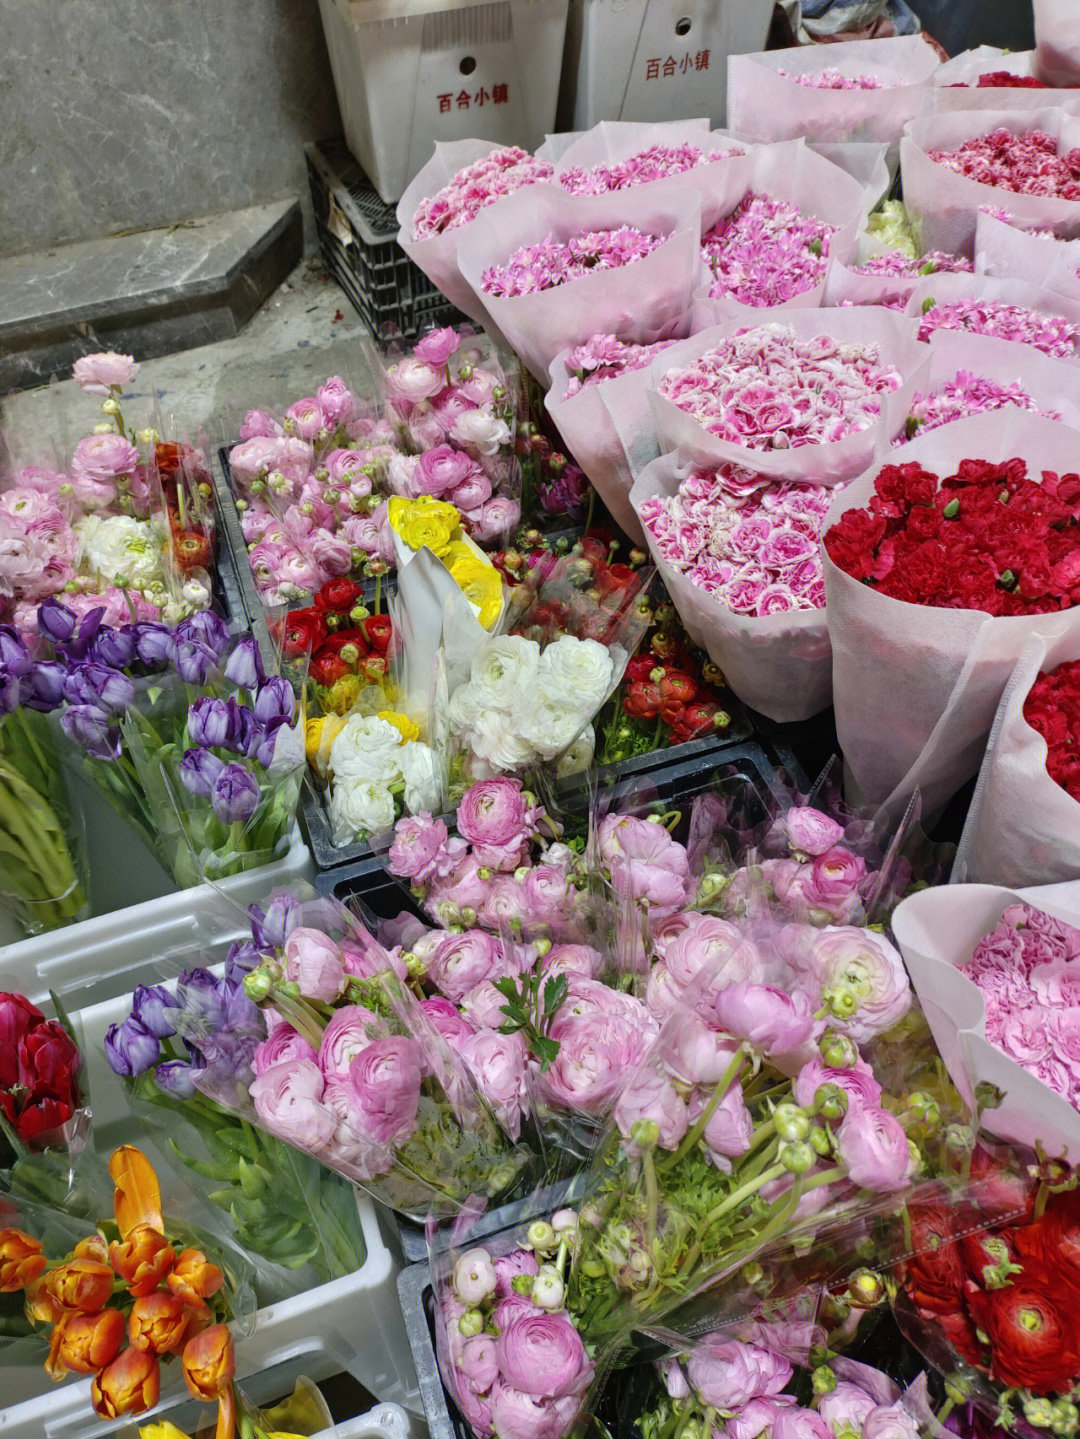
{"x": 284, "y": 1043}
{"x": 835, "y": 877}
{"x": 694, "y": 1052}
{"x": 650, "y": 1095}
{"x": 471, "y": 491}
{"x": 603, "y": 1035}
{"x": 727, "y": 1374}
{"x": 729, "y": 1131}
{"x": 858, "y": 1082}
{"x": 757, "y": 1417}
{"x": 412, "y": 380}
{"x": 349, "y": 1032}
{"x": 103, "y": 458}
{"x": 572, "y": 958}
{"x": 307, "y": 417}
{"x": 385, "y": 1077}
{"x": 464, "y": 888}
{"x": 314, "y": 963}
{"x": 517, "y": 1415}
{"x": 779, "y": 1025}
{"x": 462, "y": 961}
{"x": 436, "y": 347}
{"x": 845, "y": 1409}
{"x": 796, "y": 1423}
{"x": 645, "y": 863}
{"x": 494, "y": 812}
{"x": 713, "y": 947}
{"x": 418, "y": 847}
{"x": 286, "y": 455}
{"x": 439, "y": 470}
{"x": 259, "y": 425}
{"x": 873, "y": 1148}
{"x": 497, "y": 1063}
{"x": 448, "y": 1020}
{"x": 542, "y": 1354}
{"x": 890, "y": 1421}
{"x": 100, "y": 373}
{"x": 483, "y": 1005}
{"x": 509, "y": 1266}
{"x": 809, "y": 831}
{"x": 548, "y": 896}
{"x": 497, "y": 516}
{"x": 505, "y": 903}
{"x": 477, "y": 1367}
{"x": 336, "y": 401}
{"x": 868, "y": 964}
{"x": 287, "y": 1099}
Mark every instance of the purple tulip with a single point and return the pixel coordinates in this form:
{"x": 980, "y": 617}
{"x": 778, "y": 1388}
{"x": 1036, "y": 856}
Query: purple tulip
{"x": 241, "y": 1013}
{"x": 252, "y": 733}
{"x": 274, "y": 700}
{"x": 198, "y": 770}
{"x": 152, "y": 643}
{"x": 205, "y": 628}
{"x": 10, "y": 691}
{"x": 150, "y": 1005}
{"x": 177, "y": 1078}
{"x": 113, "y": 647}
{"x": 56, "y": 622}
{"x": 240, "y": 960}
{"x": 198, "y": 994}
{"x": 78, "y": 647}
{"x": 96, "y": 684}
{"x": 92, "y": 730}
{"x": 270, "y": 928}
{"x": 130, "y": 1048}
{"x": 214, "y": 722}
{"x": 236, "y": 794}
{"x": 244, "y": 665}
{"x": 194, "y": 662}
{"x": 230, "y": 1053}
{"x": 264, "y": 755}
{"x": 14, "y": 656}
{"x": 45, "y": 686}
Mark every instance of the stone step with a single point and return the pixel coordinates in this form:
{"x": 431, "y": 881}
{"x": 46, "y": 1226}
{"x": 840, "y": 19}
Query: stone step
{"x": 146, "y": 294}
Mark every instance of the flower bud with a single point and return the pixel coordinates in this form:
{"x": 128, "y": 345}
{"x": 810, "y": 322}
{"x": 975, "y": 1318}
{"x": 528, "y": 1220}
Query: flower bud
{"x": 158, "y": 1322}
{"x": 257, "y": 985}
{"x": 522, "y": 1283}
{"x": 1065, "y": 1417}
{"x": 821, "y": 1141}
{"x": 110, "y": 406}
{"x": 564, "y": 1221}
{"x": 474, "y": 1276}
{"x": 959, "y": 1139}
{"x": 841, "y": 1000}
{"x": 131, "y": 1384}
{"x": 831, "y": 1101}
{"x": 823, "y": 1379}
{"x": 21, "y": 1260}
{"x": 194, "y": 1278}
{"x": 752, "y": 1273}
{"x": 838, "y": 1051}
{"x": 548, "y": 1289}
{"x": 797, "y": 1158}
{"x": 143, "y": 1259}
{"x": 102, "y": 428}
{"x": 792, "y": 1123}
{"x": 83, "y": 1284}
{"x": 147, "y": 437}
{"x": 541, "y": 1238}
{"x": 471, "y": 1323}
{"x": 1039, "y": 1411}
{"x": 865, "y": 1289}
{"x": 645, "y": 1133}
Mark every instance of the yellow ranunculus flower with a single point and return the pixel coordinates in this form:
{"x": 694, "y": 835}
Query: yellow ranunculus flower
{"x": 480, "y": 583}
{"x": 319, "y": 735}
{"x": 424, "y": 521}
{"x": 343, "y": 694}
{"x": 402, "y": 723}
{"x": 162, "y": 1429}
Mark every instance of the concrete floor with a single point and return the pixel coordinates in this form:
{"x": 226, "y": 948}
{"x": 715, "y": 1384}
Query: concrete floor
{"x": 305, "y": 332}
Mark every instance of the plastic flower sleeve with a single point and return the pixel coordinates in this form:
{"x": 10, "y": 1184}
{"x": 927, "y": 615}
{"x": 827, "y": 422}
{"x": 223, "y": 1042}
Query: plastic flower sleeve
{"x": 438, "y": 254}
{"x": 891, "y": 353}
{"x": 944, "y": 206}
{"x": 1010, "y": 252}
{"x": 768, "y": 101}
{"x": 645, "y": 301}
{"x": 373, "y": 1091}
{"x": 915, "y": 689}
{"x": 535, "y": 688}
{"x": 778, "y": 664}
{"x": 938, "y": 955}
{"x": 1022, "y": 827}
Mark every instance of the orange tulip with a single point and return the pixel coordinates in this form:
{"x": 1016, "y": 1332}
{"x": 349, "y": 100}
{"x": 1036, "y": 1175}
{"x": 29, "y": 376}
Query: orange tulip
{"x": 90, "y": 1341}
{"x": 131, "y": 1384}
{"x": 83, "y": 1284}
{"x": 209, "y": 1362}
{"x": 137, "y": 1197}
{"x": 21, "y": 1260}
{"x": 159, "y": 1322}
{"x": 143, "y": 1259}
{"x": 194, "y": 1278}
{"x": 92, "y": 1247}
{"x": 41, "y": 1307}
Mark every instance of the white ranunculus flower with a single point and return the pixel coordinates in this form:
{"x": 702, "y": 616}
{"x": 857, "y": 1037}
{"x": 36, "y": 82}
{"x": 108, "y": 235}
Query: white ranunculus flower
{"x": 122, "y": 546}
{"x": 463, "y": 708}
{"x": 359, "y": 807}
{"x": 548, "y": 728}
{"x": 575, "y": 672}
{"x": 196, "y": 594}
{"x": 423, "y": 782}
{"x": 494, "y": 738}
{"x": 580, "y": 754}
{"x": 484, "y": 432}
{"x": 399, "y": 474}
{"x": 414, "y": 381}
{"x": 504, "y": 672}
{"x": 367, "y": 749}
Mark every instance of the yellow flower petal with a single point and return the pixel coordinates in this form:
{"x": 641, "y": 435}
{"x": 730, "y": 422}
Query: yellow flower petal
{"x": 402, "y": 723}
{"x": 424, "y": 522}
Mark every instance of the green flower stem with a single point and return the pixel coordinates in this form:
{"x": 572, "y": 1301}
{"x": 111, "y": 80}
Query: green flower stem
{"x": 39, "y": 867}
{"x": 299, "y": 1015}
{"x": 697, "y": 1129}
{"x": 740, "y": 1196}
{"x": 651, "y": 1198}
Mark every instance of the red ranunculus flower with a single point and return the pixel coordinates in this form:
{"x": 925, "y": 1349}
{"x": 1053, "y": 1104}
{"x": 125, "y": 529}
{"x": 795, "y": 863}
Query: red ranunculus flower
{"x": 641, "y": 667}
{"x": 304, "y": 630}
{"x": 380, "y": 631}
{"x": 642, "y": 700}
{"x": 337, "y": 595}
{"x": 679, "y": 686}
{"x": 327, "y": 668}
{"x": 343, "y": 639}
{"x": 933, "y": 1276}
{"x": 1053, "y": 1241}
{"x": 1033, "y": 1325}
{"x": 616, "y": 579}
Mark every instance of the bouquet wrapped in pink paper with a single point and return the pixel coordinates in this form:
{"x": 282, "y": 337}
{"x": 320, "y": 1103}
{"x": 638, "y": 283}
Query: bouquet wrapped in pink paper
{"x": 1016, "y": 252}
{"x": 1020, "y": 311}
{"x": 1057, "y": 42}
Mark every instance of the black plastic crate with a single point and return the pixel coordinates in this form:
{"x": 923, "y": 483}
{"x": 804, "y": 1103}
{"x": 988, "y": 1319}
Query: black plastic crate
{"x": 540, "y": 1203}
{"x": 357, "y": 231}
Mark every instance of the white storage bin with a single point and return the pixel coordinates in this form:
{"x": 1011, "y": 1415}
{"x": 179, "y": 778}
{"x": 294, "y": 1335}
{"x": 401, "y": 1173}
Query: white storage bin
{"x": 654, "y": 59}
{"x": 95, "y": 960}
{"x": 410, "y": 72}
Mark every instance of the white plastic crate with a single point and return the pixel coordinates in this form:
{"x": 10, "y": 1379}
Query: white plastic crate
{"x": 85, "y": 959}
{"x": 410, "y": 72}
{"x": 654, "y": 59}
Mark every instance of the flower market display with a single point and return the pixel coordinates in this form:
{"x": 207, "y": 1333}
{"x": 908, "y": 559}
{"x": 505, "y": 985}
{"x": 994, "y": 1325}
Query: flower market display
{"x": 541, "y": 870}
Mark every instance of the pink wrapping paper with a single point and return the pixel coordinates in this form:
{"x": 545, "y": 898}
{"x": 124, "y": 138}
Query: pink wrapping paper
{"x": 1057, "y": 41}
{"x": 1008, "y": 253}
